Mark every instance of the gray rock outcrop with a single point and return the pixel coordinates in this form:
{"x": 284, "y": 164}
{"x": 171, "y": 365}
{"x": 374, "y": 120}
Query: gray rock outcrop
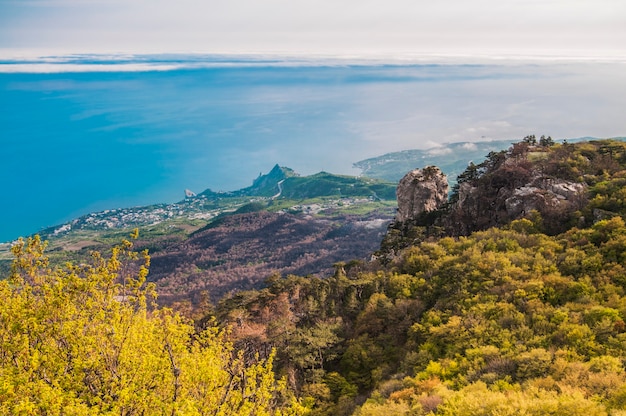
{"x": 545, "y": 194}
{"x": 419, "y": 191}
{"x": 482, "y": 205}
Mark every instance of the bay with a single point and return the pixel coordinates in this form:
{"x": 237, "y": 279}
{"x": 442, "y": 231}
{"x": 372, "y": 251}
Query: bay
{"x": 75, "y": 141}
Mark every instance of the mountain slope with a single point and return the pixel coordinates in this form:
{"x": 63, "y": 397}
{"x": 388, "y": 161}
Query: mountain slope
{"x": 283, "y": 223}
{"x": 263, "y": 186}
{"x": 505, "y": 320}
{"x": 240, "y": 251}
{"x": 280, "y": 189}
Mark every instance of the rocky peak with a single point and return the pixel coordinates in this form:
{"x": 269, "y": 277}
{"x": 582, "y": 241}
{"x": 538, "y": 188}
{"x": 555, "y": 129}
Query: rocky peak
{"x": 419, "y": 191}
{"x": 277, "y": 173}
{"x": 267, "y": 185}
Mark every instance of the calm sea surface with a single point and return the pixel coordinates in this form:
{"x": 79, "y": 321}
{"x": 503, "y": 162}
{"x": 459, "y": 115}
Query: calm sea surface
{"x": 78, "y": 141}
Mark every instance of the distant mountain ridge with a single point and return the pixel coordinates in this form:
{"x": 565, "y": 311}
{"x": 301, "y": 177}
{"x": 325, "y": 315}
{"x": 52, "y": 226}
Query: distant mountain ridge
{"x": 286, "y": 183}
{"x": 280, "y": 182}
{"x": 451, "y": 158}
{"x": 265, "y": 185}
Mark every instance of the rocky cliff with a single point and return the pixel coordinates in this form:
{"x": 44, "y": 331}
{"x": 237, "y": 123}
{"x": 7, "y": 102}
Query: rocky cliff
{"x": 478, "y": 205}
{"x": 420, "y": 191}
{"x": 557, "y": 187}
{"x": 519, "y": 183}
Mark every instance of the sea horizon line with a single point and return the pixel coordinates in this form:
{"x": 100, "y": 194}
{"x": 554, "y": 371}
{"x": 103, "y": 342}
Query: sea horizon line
{"x": 31, "y": 61}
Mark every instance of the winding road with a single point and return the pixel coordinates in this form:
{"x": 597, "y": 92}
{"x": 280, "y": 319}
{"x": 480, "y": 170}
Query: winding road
{"x": 280, "y": 189}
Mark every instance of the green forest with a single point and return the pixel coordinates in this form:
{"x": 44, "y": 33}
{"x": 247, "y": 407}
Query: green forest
{"x": 526, "y": 316}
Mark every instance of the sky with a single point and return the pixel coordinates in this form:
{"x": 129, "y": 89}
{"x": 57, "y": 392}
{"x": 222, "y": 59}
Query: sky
{"x": 569, "y": 28}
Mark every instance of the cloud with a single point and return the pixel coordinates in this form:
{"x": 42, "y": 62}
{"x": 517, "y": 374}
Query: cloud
{"x": 35, "y": 68}
{"x": 439, "y": 151}
{"x": 321, "y": 26}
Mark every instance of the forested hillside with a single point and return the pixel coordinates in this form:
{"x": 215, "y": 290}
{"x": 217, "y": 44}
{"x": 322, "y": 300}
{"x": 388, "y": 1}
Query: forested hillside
{"x": 240, "y": 251}
{"x": 88, "y": 340}
{"x": 523, "y": 312}
{"x": 504, "y": 319}
{"x": 515, "y": 319}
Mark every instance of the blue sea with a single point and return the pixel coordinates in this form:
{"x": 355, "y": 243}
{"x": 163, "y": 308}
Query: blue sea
{"x": 87, "y": 133}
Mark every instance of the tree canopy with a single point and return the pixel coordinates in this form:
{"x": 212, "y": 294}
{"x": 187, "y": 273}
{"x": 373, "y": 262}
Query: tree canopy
{"x": 86, "y": 339}
{"x": 503, "y": 321}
